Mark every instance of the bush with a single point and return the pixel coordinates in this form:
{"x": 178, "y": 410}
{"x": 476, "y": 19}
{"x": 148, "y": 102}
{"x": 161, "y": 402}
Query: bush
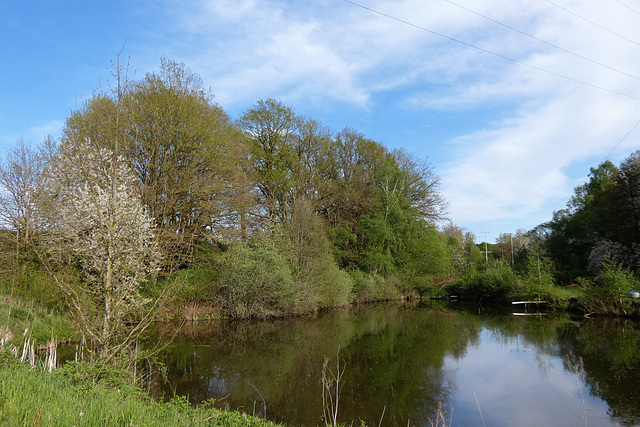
{"x": 372, "y": 287}
{"x": 614, "y": 283}
{"x": 304, "y": 243}
{"x": 256, "y": 281}
{"x": 496, "y": 283}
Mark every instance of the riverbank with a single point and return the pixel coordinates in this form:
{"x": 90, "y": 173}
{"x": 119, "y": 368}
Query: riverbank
{"x": 31, "y": 396}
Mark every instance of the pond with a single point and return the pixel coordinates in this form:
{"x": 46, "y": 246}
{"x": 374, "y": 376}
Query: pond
{"x": 400, "y": 361}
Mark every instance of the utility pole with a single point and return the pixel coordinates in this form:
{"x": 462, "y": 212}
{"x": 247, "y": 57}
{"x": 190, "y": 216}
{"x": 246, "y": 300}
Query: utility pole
{"x": 486, "y": 250}
{"x": 512, "y": 260}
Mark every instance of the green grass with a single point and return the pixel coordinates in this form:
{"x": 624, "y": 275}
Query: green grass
{"x": 28, "y": 319}
{"x": 32, "y": 397}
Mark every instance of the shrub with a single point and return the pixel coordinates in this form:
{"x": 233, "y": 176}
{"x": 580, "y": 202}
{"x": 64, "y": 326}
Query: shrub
{"x": 256, "y": 281}
{"x": 304, "y": 243}
{"x": 372, "y": 287}
{"x": 496, "y": 283}
{"x": 615, "y": 282}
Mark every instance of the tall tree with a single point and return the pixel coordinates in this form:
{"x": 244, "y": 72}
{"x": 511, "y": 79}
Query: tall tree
{"x": 629, "y": 183}
{"x": 271, "y": 129}
{"x": 178, "y": 143}
{"x": 349, "y": 166}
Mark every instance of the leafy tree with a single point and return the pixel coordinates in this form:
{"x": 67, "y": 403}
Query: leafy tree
{"x": 181, "y": 147}
{"x": 350, "y": 164}
{"x": 319, "y": 280}
{"x": 629, "y": 183}
{"x": 465, "y": 255}
{"x": 538, "y": 275}
{"x": 592, "y": 214}
{"x": 271, "y": 128}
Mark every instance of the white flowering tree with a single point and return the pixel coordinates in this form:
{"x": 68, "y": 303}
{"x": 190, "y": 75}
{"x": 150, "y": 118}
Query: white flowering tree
{"x": 99, "y": 223}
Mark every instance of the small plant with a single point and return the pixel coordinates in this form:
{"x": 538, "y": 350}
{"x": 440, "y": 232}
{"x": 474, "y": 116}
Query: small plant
{"x": 440, "y": 420}
{"x": 331, "y": 387}
{"x": 617, "y": 281}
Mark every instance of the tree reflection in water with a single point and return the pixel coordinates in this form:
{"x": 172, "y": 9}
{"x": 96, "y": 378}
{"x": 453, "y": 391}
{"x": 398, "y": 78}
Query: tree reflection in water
{"x": 404, "y": 359}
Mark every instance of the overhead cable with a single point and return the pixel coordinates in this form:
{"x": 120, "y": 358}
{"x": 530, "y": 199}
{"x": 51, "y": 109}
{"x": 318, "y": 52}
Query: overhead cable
{"x": 628, "y": 7}
{"x": 593, "y": 23}
{"x": 543, "y": 41}
{"x": 491, "y": 52}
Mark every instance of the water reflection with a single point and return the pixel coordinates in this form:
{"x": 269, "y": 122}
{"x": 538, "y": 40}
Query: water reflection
{"x": 403, "y": 360}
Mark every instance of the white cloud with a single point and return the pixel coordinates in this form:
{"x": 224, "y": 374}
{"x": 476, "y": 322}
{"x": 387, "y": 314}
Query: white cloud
{"x": 520, "y": 130}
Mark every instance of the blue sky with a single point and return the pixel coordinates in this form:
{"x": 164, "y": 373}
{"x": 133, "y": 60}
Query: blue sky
{"x": 512, "y": 101}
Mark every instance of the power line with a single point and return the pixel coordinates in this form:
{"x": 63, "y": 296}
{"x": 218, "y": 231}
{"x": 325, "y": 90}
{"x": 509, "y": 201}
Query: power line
{"x": 603, "y": 160}
{"x": 628, "y": 7}
{"x": 593, "y": 23}
{"x": 491, "y": 52}
{"x": 543, "y": 41}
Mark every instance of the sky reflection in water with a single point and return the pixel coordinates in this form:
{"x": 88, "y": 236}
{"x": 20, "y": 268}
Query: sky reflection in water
{"x": 402, "y": 360}
{"x": 509, "y": 382}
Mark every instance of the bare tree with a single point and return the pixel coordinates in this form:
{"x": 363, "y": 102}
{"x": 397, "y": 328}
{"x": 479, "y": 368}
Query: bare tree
{"x": 20, "y": 190}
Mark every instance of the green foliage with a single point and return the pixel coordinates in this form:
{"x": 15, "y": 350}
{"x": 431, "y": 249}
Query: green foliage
{"x": 86, "y": 377}
{"x": 375, "y": 253}
{"x": 496, "y": 283}
{"x": 256, "y": 281}
{"x": 31, "y": 282}
{"x": 372, "y": 287}
{"x": 32, "y": 397}
{"x": 538, "y": 276}
{"x": 319, "y": 281}
{"x": 344, "y": 242}
{"x": 609, "y": 294}
{"x": 616, "y": 281}
{"x": 25, "y": 318}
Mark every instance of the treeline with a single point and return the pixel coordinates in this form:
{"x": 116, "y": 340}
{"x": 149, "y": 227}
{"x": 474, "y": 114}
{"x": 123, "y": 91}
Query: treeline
{"x": 591, "y": 248}
{"x": 602, "y": 219}
{"x": 269, "y": 214}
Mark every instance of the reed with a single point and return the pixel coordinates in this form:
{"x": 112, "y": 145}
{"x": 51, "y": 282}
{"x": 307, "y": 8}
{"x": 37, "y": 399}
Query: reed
{"x": 331, "y": 387}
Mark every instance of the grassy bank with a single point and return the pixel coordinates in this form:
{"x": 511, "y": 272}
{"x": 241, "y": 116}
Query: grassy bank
{"x": 22, "y": 319}
{"x": 32, "y": 397}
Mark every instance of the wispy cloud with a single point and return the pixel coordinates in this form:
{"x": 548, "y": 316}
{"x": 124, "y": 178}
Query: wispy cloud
{"x": 521, "y": 115}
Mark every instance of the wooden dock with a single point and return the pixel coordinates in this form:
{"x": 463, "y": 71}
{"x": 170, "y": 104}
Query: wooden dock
{"x": 528, "y": 302}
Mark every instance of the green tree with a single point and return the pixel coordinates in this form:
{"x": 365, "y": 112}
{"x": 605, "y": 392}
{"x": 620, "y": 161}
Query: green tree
{"x": 270, "y": 128}
{"x": 592, "y": 214}
{"x": 538, "y": 275}
{"x": 349, "y": 164}
{"x": 304, "y": 241}
{"x": 180, "y": 146}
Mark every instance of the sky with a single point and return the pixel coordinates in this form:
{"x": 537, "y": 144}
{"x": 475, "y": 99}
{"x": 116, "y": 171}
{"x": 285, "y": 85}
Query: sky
{"x": 512, "y": 101}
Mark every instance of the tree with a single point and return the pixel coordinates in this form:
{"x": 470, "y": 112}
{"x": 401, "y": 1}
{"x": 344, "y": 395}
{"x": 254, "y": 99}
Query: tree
{"x": 181, "y": 148}
{"x": 21, "y": 182}
{"x": 98, "y": 222}
{"x": 629, "y": 182}
{"x": 592, "y": 214}
{"x": 421, "y": 185}
{"x": 304, "y": 241}
{"x": 349, "y": 165}
{"x": 270, "y": 128}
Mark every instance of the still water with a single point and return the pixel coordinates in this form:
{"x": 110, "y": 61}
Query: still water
{"x": 401, "y": 361}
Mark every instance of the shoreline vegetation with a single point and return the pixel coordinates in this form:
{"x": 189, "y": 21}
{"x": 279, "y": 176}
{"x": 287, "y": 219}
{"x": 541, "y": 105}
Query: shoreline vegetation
{"x": 156, "y": 205}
